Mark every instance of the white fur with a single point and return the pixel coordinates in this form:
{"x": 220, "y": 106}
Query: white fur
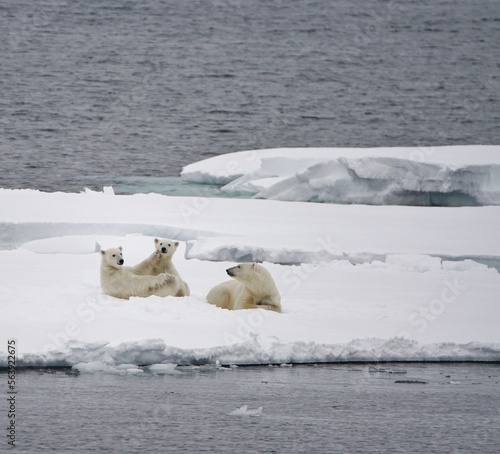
{"x": 122, "y": 282}
{"x": 160, "y": 261}
{"x": 253, "y": 287}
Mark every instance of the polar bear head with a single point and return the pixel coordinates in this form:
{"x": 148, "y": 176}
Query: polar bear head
{"x": 251, "y": 274}
{"x": 113, "y": 257}
{"x": 239, "y": 272}
{"x": 167, "y": 247}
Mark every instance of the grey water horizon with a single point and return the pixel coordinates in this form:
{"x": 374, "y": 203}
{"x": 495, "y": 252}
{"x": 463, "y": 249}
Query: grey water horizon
{"x": 125, "y": 94}
{"x": 336, "y": 408}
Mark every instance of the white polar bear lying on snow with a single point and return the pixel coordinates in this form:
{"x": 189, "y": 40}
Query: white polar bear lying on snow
{"x": 160, "y": 261}
{"x": 253, "y": 287}
{"x": 122, "y": 282}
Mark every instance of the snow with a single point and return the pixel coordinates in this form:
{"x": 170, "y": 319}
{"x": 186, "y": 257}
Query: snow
{"x": 358, "y": 282}
{"x": 442, "y": 176}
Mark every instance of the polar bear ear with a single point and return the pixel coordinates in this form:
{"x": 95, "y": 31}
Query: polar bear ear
{"x": 176, "y": 243}
{"x": 156, "y": 240}
{"x": 103, "y": 252}
{"x": 121, "y": 249}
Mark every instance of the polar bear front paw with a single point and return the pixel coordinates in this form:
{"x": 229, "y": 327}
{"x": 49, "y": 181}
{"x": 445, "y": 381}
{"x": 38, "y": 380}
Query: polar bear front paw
{"x": 165, "y": 278}
{"x": 170, "y": 278}
{"x": 161, "y": 279}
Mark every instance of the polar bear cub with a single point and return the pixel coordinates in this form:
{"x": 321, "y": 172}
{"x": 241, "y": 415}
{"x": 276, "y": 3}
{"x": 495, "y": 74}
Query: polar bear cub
{"x": 160, "y": 261}
{"x": 122, "y": 282}
{"x": 253, "y": 287}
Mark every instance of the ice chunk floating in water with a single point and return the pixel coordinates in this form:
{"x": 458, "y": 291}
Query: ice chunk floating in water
{"x": 244, "y": 411}
{"x": 438, "y": 176}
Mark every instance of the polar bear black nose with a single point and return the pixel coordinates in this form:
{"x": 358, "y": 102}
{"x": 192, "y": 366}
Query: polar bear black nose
{"x": 163, "y": 250}
{"x": 121, "y": 262}
{"x": 230, "y": 271}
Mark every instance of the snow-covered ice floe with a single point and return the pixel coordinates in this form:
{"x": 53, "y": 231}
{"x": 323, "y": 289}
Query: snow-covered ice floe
{"x": 425, "y": 176}
{"x": 358, "y": 282}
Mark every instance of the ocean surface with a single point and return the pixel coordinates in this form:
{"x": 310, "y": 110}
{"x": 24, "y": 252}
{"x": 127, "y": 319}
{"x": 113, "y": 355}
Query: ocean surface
{"x": 349, "y": 408}
{"x": 115, "y": 92}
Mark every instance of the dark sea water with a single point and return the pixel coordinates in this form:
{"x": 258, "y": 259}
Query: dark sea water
{"x": 305, "y": 409}
{"x": 94, "y": 92}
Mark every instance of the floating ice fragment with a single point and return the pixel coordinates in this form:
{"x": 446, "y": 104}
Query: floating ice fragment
{"x": 387, "y": 371}
{"x": 244, "y": 411}
{"x": 449, "y": 176}
{"x": 133, "y": 370}
{"x": 219, "y": 367}
{"x": 93, "y": 367}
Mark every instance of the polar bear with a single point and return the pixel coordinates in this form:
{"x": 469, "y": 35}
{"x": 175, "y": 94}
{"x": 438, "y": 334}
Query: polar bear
{"x": 122, "y": 282}
{"x": 252, "y": 288}
{"x": 160, "y": 261}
